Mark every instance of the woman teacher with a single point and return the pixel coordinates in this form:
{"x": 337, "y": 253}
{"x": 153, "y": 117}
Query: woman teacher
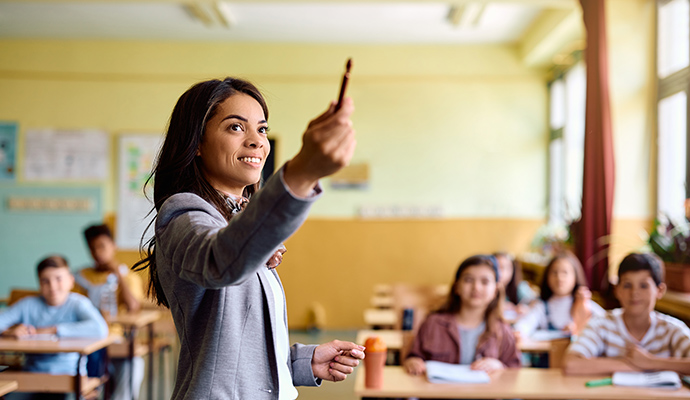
{"x": 218, "y": 239}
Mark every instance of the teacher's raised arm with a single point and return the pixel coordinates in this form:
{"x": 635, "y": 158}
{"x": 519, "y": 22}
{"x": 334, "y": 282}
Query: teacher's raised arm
{"x": 218, "y": 239}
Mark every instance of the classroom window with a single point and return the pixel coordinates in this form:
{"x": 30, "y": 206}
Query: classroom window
{"x": 673, "y": 71}
{"x": 566, "y": 148}
{"x": 673, "y": 37}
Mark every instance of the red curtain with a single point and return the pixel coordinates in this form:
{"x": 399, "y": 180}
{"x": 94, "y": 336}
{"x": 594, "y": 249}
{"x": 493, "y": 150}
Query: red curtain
{"x": 594, "y": 228}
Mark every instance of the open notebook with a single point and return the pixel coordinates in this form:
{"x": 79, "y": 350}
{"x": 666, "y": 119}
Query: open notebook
{"x": 41, "y": 336}
{"x": 661, "y": 379}
{"x": 544, "y": 335}
{"x": 438, "y": 372}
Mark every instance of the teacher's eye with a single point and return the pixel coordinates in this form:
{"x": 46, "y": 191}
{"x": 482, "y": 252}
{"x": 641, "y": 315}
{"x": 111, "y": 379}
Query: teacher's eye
{"x": 236, "y": 127}
{"x": 264, "y": 129}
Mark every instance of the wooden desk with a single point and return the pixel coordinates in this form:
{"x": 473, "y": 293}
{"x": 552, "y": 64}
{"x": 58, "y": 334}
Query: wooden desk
{"x": 132, "y": 322}
{"x": 533, "y": 271}
{"x": 48, "y": 383}
{"x": 8, "y": 386}
{"x": 379, "y": 301}
{"x": 383, "y": 289}
{"x": 676, "y": 304}
{"x": 394, "y": 340}
{"x": 522, "y": 383}
{"x": 375, "y": 317}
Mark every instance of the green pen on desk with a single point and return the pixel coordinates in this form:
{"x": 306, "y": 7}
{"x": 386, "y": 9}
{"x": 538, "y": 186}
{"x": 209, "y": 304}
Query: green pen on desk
{"x": 599, "y": 382}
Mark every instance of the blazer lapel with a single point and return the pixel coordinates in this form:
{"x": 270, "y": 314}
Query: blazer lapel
{"x": 268, "y": 296}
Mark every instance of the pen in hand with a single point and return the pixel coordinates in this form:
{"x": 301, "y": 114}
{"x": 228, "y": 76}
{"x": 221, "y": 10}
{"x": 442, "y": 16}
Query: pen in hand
{"x": 343, "y": 85}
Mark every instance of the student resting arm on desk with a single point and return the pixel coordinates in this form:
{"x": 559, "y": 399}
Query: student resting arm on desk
{"x": 57, "y": 311}
{"x": 469, "y": 328}
{"x": 565, "y": 302}
{"x": 218, "y": 240}
{"x": 633, "y": 337}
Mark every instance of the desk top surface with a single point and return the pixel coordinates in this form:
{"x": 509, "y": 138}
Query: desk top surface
{"x": 523, "y": 383}
{"x": 83, "y": 346}
{"x": 377, "y": 316}
{"x": 394, "y": 340}
{"x": 136, "y": 320}
{"x": 8, "y": 386}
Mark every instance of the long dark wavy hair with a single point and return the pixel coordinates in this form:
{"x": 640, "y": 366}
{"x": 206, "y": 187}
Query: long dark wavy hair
{"x": 178, "y": 169}
{"x": 511, "y": 289}
{"x": 546, "y": 292}
{"x": 493, "y": 316}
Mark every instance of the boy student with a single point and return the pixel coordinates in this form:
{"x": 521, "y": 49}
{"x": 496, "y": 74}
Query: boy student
{"x": 94, "y": 281}
{"x": 634, "y": 337}
{"x": 57, "y": 311}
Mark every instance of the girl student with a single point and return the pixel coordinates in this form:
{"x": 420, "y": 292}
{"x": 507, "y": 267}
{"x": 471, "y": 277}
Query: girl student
{"x": 565, "y": 301}
{"x": 519, "y": 295}
{"x": 468, "y": 329}
{"x": 218, "y": 240}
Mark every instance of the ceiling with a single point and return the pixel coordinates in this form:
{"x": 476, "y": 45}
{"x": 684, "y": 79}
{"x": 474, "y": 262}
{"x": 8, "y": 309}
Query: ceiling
{"x": 396, "y": 22}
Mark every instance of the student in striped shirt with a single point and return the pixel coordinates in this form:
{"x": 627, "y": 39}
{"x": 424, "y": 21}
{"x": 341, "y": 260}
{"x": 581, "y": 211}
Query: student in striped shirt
{"x": 633, "y": 337}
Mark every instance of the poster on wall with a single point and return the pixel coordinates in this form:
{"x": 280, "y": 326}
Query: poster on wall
{"x": 136, "y": 155}
{"x": 8, "y": 150}
{"x": 66, "y": 155}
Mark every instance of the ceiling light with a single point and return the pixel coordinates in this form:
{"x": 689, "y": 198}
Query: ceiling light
{"x": 211, "y": 14}
{"x": 465, "y": 15}
{"x": 199, "y": 12}
{"x": 224, "y": 13}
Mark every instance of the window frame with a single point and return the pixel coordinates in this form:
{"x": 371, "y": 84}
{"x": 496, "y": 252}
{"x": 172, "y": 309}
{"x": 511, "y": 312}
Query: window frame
{"x": 670, "y": 85}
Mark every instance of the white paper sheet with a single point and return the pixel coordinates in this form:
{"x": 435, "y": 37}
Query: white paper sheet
{"x": 59, "y": 155}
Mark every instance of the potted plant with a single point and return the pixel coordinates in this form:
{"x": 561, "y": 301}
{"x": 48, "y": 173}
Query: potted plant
{"x": 671, "y": 242}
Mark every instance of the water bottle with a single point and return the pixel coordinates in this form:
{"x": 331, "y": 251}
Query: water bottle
{"x": 108, "y": 304}
{"x": 408, "y": 319}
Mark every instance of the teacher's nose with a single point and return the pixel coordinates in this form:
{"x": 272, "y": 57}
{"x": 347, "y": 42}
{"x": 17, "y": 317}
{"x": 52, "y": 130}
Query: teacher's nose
{"x": 254, "y": 142}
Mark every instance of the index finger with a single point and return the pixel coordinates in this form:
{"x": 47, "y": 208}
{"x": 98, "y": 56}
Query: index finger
{"x": 342, "y": 345}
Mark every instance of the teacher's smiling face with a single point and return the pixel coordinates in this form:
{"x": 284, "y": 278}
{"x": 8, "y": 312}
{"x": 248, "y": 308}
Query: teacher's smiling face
{"x": 235, "y": 144}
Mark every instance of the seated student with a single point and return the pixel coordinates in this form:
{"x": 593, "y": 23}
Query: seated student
{"x": 633, "y": 337}
{"x": 57, "y": 311}
{"x": 519, "y": 295}
{"x": 565, "y": 302}
{"x": 468, "y": 329}
{"x": 94, "y": 281}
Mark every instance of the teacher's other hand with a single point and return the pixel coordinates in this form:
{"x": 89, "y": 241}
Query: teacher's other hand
{"x": 334, "y": 361}
{"x": 327, "y": 146}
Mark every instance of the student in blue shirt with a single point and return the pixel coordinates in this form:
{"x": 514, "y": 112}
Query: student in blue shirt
{"x": 56, "y": 311}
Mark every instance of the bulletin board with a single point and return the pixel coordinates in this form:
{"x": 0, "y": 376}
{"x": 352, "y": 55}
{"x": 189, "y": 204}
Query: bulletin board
{"x": 66, "y": 155}
{"x": 136, "y": 156}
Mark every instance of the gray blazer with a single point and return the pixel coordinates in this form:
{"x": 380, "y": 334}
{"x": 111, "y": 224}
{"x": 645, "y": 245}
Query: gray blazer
{"x": 210, "y": 273}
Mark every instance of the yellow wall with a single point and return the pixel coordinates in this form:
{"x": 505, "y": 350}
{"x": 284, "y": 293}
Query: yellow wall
{"x": 459, "y": 127}
{"x": 337, "y": 263}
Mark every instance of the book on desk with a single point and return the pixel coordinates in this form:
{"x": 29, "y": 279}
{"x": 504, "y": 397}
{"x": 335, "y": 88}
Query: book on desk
{"x": 660, "y": 379}
{"x": 439, "y": 372}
